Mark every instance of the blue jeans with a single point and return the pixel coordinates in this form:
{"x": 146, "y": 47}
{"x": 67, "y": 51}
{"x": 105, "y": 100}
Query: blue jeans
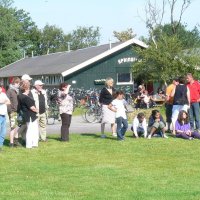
{"x": 122, "y": 126}
{"x": 2, "y": 129}
{"x": 194, "y": 115}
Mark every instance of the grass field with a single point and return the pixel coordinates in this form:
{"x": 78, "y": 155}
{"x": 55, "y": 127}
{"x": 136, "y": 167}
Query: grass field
{"x": 89, "y": 167}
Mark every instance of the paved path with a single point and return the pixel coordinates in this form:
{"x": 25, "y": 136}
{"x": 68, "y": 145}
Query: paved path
{"x": 78, "y": 125}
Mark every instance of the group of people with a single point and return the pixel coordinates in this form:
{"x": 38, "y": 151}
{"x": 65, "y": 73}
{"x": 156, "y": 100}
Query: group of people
{"x": 182, "y": 111}
{"x": 27, "y": 109}
{"x": 142, "y": 98}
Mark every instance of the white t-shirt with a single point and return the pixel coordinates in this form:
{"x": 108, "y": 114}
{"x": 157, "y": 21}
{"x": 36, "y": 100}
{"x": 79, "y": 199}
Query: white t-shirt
{"x": 119, "y": 105}
{"x": 3, "y": 106}
{"x": 136, "y": 124}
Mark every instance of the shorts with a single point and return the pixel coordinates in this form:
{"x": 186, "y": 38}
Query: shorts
{"x": 13, "y": 120}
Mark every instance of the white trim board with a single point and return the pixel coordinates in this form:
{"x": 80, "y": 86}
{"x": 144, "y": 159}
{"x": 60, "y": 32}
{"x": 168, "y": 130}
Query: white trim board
{"x": 103, "y": 55}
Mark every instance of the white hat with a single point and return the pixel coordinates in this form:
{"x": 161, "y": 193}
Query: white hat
{"x": 38, "y": 82}
{"x": 26, "y": 77}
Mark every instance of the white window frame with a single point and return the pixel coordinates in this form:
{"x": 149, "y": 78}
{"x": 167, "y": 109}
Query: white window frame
{"x": 125, "y": 83}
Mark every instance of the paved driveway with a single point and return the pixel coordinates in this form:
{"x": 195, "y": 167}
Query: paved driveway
{"x": 78, "y": 125}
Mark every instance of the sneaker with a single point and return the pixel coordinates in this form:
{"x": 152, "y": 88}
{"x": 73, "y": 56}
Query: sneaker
{"x": 191, "y": 138}
{"x": 165, "y": 136}
{"x": 103, "y": 136}
{"x": 149, "y": 137}
{"x": 114, "y": 134}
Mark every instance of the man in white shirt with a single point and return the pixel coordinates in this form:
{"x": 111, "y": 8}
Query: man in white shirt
{"x": 40, "y": 97}
{"x": 139, "y": 126}
{"x": 4, "y": 101}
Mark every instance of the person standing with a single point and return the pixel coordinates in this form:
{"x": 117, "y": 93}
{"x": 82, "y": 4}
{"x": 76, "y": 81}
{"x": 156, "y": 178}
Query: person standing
{"x": 40, "y": 97}
{"x": 118, "y": 106}
{"x": 169, "y": 102}
{"x": 12, "y": 94}
{"x": 108, "y": 116}
{"x": 23, "y": 127}
{"x": 65, "y": 108}
{"x": 181, "y": 100}
{"x": 194, "y": 88}
{"x": 30, "y": 116}
{"x": 4, "y": 101}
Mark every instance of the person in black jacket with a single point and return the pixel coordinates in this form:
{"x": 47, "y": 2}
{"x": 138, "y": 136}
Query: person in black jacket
{"x": 108, "y": 116}
{"x": 29, "y": 110}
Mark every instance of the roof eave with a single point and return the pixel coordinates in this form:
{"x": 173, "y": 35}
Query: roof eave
{"x": 103, "y": 55}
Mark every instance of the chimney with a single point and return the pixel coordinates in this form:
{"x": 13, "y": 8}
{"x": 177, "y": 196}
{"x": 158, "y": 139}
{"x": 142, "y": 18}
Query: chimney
{"x": 110, "y": 44}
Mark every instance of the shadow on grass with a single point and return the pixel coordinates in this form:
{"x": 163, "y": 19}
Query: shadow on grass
{"x": 94, "y": 135}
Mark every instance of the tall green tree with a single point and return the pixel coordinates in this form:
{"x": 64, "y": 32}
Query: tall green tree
{"x": 52, "y": 39}
{"x": 9, "y": 37}
{"x": 170, "y": 52}
{"x": 166, "y": 61}
{"x": 30, "y": 35}
{"x": 84, "y": 37}
{"x": 124, "y": 35}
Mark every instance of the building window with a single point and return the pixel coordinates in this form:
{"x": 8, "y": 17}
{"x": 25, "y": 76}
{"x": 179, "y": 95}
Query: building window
{"x": 124, "y": 78}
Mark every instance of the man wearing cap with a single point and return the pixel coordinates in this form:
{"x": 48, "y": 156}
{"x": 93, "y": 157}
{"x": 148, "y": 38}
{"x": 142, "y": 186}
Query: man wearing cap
{"x": 40, "y": 97}
{"x": 26, "y": 77}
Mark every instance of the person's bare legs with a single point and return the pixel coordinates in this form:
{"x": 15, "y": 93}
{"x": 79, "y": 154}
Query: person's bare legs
{"x": 153, "y": 130}
{"x": 13, "y": 134}
{"x": 113, "y": 128}
{"x": 163, "y": 131}
{"x": 102, "y": 130}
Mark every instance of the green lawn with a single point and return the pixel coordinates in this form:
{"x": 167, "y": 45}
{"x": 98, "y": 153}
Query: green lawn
{"x": 89, "y": 167}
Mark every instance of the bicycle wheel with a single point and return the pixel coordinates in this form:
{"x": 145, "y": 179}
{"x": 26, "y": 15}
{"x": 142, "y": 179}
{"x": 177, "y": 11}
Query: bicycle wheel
{"x": 90, "y": 115}
{"x": 50, "y": 116}
{"x": 84, "y": 109}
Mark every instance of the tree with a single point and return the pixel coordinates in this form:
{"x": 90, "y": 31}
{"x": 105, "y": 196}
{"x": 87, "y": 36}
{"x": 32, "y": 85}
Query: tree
{"x": 6, "y": 3}
{"x": 168, "y": 53}
{"x": 9, "y": 32}
{"x": 189, "y": 39}
{"x": 30, "y": 35}
{"x": 124, "y": 35}
{"x": 52, "y": 39}
{"x": 84, "y": 37}
{"x": 165, "y": 61}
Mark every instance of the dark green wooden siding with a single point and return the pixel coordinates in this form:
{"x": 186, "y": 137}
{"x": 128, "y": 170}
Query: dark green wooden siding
{"x": 108, "y": 67}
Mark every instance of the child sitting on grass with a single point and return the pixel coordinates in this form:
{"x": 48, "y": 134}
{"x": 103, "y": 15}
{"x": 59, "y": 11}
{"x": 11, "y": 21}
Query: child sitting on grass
{"x": 117, "y": 105}
{"x": 139, "y": 126}
{"x": 182, "y": 127}
{"x": 156, "y": 124}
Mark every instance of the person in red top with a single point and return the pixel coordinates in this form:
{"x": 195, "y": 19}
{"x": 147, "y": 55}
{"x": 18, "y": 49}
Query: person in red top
{"x": 2, "y": 87}
{"x": 194, "y": 88}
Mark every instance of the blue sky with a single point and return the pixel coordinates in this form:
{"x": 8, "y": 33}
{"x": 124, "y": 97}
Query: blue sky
{"x": 109, "y": 15}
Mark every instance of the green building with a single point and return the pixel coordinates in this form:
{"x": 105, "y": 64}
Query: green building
{"x": 84, "y": 68}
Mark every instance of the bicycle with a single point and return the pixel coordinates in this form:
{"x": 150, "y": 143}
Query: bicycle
{"x": 93, "y": 114}
{"x": 53, "y": 114}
